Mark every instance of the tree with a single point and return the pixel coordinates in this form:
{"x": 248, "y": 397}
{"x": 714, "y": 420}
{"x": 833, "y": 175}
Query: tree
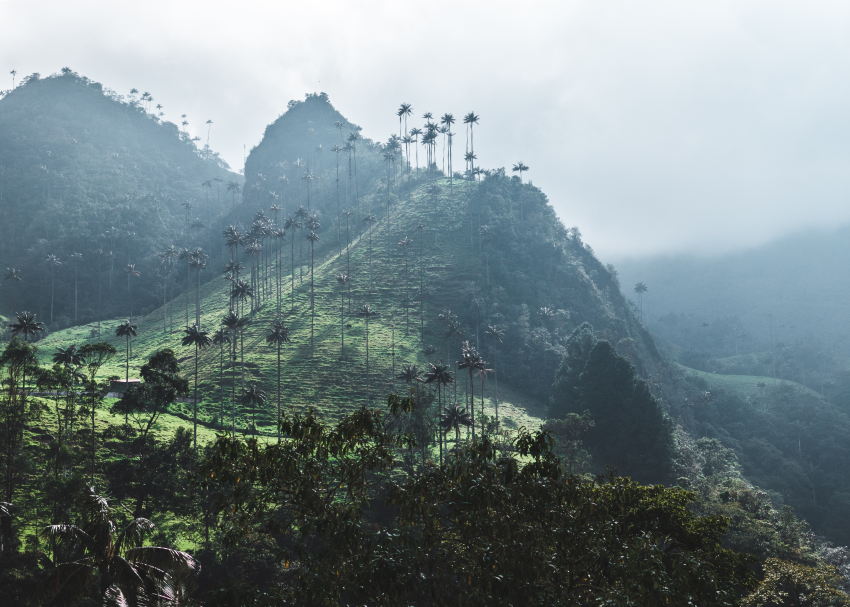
{"x": 453, "y": 417}
{"x": 76, "y": 257}
{"x": 197, "y": 262}
{"x": 520, "y": 167}
{"x": 404, "y": 243}
{"x": 253, "y": 397}
{"x": 312, "y": 237}
{"x": 168, "y": 256}
{"x": 108, "y": 560}
{"x": 342, "y": 280}
{"x": 13, "y": 275}
{"x": 370, "y": 220}
{"x": 131, "y": 272}
{"x": 52, "y": 263}
{"x": 220, "y": 337}
{"x": 640, "y": 289}
{"x": 632, "y": 430}
{"x": 292, "y": 223}
{"x": 495, "y": 333}
{"x": 200, "y": 340}
{"x": 236, "y": 325}
{"x": 277, "y": 336}
{"x": 366, "y": 312}
{"x": 471, "y": 361}
{"x": 26, "y": 324}
{"x": 234, "y": 188}
{"x": 94, "y": 357}
{"x": 127, "y": 331}
{"x": 442, "y": 375}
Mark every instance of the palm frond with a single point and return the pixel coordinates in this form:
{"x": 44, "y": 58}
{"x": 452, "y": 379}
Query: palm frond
{"x": 125, "y": 574}
{"x": 114, "y": 597}
{"x": 71, "y": 534}
{"x": 5, "y": 509}
{"x": 135, "y": 532}
{"x": 162, "y": 558}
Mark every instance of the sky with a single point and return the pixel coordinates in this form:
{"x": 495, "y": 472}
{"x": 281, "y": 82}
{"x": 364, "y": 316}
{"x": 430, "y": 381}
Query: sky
{"x": 655, "y": 127}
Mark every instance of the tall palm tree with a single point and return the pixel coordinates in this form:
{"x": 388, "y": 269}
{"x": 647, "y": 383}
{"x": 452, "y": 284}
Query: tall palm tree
{"x": 234, "y": 188}
{"x": 26, "y": 324}
{"x": 442, "y": 375}
{"x": 52, "y": 262}
{"x": 471, "y": 120}
{"x": 520, "y": 167}
{"x": 495, "y": 333}
{"x": 301, "y": 214}
{"x": 312, "y": 237}
{"x": 253, "y": 397}
{"x": 187, "y": 255}
{"x": 235, "y": 325}
{"x": 640, "y": 289}
{"x": 471, "y": 361}
{"x": 342, "y": 280}
{"x": 352, "y": 141}
{"x": 404, "y": 243}
{"x": 292, "y": 223}
{"x": 112, "y": 555}
{"x": 76, "y": 257}
{"x": 454, "y": 417}
{"x": 126, "y": 330}
{"x": 370, "y": 220}
{"x": 168, "y": 256}
{"x": 366, "y": 312}
{"x": 415, "y": 132}
{"x": 194, "y": 336}
{"x": 197, "y": 262}
{"x": 220, "y": 337}
{"x": 13, "y": 275}
{"x": 277, "y": 336}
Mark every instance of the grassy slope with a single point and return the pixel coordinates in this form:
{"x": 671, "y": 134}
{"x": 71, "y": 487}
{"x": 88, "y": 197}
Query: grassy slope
{"x": 746, "y": 385}
{"x": 322, "y": 379}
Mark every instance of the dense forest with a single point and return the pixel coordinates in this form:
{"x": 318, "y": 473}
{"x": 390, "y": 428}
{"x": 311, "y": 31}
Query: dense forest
{"x": 365, "y": 373}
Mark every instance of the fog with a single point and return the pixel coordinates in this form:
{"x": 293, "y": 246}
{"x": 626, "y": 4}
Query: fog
{"x": 656, "y": 127}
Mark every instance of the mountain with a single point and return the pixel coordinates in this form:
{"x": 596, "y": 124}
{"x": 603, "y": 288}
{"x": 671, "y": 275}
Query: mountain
{"x": 82, "y": 169}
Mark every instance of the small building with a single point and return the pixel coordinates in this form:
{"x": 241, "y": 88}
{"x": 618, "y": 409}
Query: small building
{"x": 121, "y": 385}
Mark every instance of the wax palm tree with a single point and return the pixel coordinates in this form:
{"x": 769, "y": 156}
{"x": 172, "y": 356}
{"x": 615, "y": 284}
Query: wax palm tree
{"x": 240, "y": 291}
{"x": 112, "y": 555}
{"x": 198, "y": 262}
{"x": 194, "y": 336}
{"x": 409, "y": 374}
{"x": 52, "y": 262}
{"x": 167, "y": 256}
{"x": 471, "y": 120}
{"x": 404, "y": 243}
{"x": 187, "y": 255}
{"x": 76, "y": 257}
{"x": 471, "y": 361}
{"x": 25, "y": 324}
{"x": 453, "y": 418}
{"x": 291, "y": 224}
{"x": 235, "y": 324}
{"x": 441, "y": 375}
{"x": 342, "y": 280}
{"x": 640, "y": 289}
{"x": 253, "y": 397}
{"x": 370, "y": 220}
{"x": 313, "y": 238}
{"x": 234, "y": 188}
{"x": 301, "y": 214}
{"x": 520, "y": 167}
{"x": 453, "y": 332}
{"x": 13, "y": 275}
{"x": 495, "y": 333}
{"x": 220, "y": 337}
{"x": 404, "y": 110}
{"x": 366, "y": 312}
{"x": 277, "y": 336}
{"x": 127, "y": 330}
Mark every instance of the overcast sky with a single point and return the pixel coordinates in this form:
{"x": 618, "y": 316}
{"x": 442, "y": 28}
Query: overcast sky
{"x": 656, "y": 127}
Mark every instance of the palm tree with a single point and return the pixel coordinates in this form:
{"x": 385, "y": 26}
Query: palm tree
{"x": 471, "y": 120}
{"x": 234, "y": 188}
{"x": 442, "y": 375}
{"x": 520, "y": 167}
{"x": 187, "y": 255}
{"x": 366, "y": 312}
{"x": 312, "y": 237}
{"x": 235, "y": 325}
{"x": 52, "y": 262}
{"x": 454, "y": 417}
{"x": 26, "y": 324}
{"x": 113, "y": 556}
{"x": 127, "y": 331}
{"x": 302, "y": 214}
{"x": 277, "y": 336}
{"x": 168, "y": 256}
{"x": 13, "y": 73}
{"x": 209, "y": 127}
{"x": 640, "y": 289}
{"x": 292, "y": 223}
{"x": 370, "y": 221}
{"x": 404, "y": 243}
{"x": 197, "y": 262}
{"x": 495, "y": 333}
{"x": 343, "y": 280}
{"x": 240, "y": 291}
{"x": 409, "y": 374}
{"x": 471, "y": 361}
{"x": 12, "y": 274}
{"x": 253, "y": 397}
{"x": 76, "y": 257}
{"x": 200, "y": 339}
{"x": 219, "y": 338}
{"x": 130, "y": 271}
{"x": 415, "y": 132}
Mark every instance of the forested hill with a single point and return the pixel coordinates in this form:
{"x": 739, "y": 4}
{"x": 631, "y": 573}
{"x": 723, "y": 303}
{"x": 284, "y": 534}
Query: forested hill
{"x": 82, "y": 169}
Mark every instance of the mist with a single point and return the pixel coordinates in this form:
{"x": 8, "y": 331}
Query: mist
{"x": 657, "y": 127}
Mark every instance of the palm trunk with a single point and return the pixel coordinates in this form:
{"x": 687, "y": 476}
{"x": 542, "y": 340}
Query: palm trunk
{"x": 278, "y": 392}
{"x": 195, "y": 404}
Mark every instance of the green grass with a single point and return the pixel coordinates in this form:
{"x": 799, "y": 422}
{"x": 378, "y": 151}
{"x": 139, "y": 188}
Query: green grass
{"x": 319, "y": 377}
{"x": 747, "y": 385}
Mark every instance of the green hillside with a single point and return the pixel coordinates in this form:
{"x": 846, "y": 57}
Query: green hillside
{"x": 86, "y": 170}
